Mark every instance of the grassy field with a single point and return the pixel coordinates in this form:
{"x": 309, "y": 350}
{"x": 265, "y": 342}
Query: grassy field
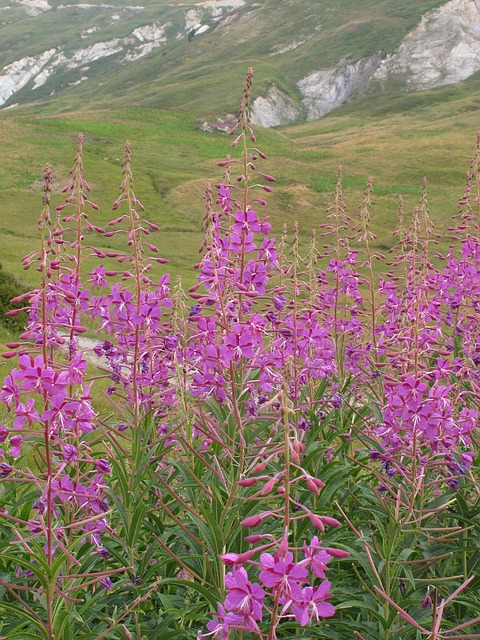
{"x": 433, "y": 135}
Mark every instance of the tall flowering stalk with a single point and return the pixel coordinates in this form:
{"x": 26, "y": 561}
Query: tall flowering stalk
{"x": 257, "y": 358}
{"x": 139, "y": 353}
{"x": 50, "y": 404}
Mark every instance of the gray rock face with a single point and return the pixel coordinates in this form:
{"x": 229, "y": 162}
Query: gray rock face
{"x": 274, "y": 109}
{"x": 327, "y": 89}
{"x": 443, "y": 49}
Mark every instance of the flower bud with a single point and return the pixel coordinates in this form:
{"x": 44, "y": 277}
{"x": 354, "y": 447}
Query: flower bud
{"x": 312, "y": 486}
{"x": 331, "y": 522}
{"x": 252, "y": 521}
{"x": 317, "y": 523}
{"x": 268, "y": 487}
{"x": 260, "y": 467}
{"x": 247, "y": 482}
{"x": 337, "y": 553}
{"x": 9, "y": 354}
{"x": 254, "y": 539}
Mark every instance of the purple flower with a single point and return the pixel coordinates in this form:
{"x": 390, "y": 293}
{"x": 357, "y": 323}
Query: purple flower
{"x": 3, "y": 433}
{"x": 316, "y": 557}
{"x": 5, "y": 469}
{"x": 240, "y": 342}
{"x": 218, "y": 629}
{"x": 311, "y": 604}
{"x": 25, "y": 414}
{"x": 243, "y": 597}
{"x": 283, "y": 575}
{"x": 69, "y": 452}
{"x": 106, "y": 583}
{"x": 16, "y": 446}
{"x": 10, "y": 393}
{"x": 98, "y": 277}
{"x": 103, "y": 466}
{"x": 246, "y": 222}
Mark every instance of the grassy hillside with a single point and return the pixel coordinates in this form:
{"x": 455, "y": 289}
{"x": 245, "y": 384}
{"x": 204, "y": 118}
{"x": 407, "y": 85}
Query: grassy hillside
{"x": 430, "y": 134}
{"x": 285, "y": 41}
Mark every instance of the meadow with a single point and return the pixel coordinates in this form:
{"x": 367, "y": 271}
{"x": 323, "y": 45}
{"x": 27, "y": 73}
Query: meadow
{"x": 287, "y": 443}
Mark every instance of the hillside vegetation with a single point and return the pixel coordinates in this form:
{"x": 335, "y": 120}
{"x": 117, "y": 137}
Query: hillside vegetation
{"x": 186, "y": 55}
{"x": 397, "y": 140}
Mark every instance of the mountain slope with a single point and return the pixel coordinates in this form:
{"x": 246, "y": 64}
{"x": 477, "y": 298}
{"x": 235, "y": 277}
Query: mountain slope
{"x": 310, "y": 56}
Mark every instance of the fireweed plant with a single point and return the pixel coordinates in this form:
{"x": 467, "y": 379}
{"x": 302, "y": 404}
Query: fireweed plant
{"x": 290, "y": 417}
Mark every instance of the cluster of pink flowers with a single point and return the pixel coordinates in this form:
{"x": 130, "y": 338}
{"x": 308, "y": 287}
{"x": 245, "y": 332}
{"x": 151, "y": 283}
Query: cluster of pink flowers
{"x": 288, "y": 586}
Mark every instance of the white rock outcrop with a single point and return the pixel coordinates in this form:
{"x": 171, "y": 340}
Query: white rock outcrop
{"x": 19, "y": 73}
{"x": 327, "y": 89}
{"x": 274, "y": 109}
{"x": 34, "y": 7}
{"x": 443, "y": 49}
{"x": 95, "y": 52}
{"x": 150, "y": 36}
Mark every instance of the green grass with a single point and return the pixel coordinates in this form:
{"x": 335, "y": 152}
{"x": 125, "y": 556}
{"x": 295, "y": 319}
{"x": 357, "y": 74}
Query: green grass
{"x": 173, "y": 159}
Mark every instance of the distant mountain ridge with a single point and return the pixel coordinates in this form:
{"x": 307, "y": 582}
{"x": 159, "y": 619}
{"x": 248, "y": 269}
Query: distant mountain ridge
{"x": 309, "y": 56}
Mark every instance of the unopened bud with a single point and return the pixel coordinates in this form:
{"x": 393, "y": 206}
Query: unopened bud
{"x": 260, "y": 467}
{"x": 317, "y": 523}
{"x": 312, "y": 486}
{"x": 331, "y": 522}
{"x": 268, "y": 487}
{"x": 337, "y": 553}
{"x": 254, "y": 539}
{"x": 295, "y": 457}
{"x": 79, "y": 329}
{"x": 247, "y": 482}
{"x": 252, "y": 521}
{"x": 128, "y": 635}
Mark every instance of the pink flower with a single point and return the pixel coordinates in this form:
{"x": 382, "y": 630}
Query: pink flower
{"x": 246, "y": 221}
{"x": 283, "y": 575}
{"x": 25, "y": 414}
{"x": 10, "y": 391}
{"x": 311, "y": 604}
{"x": 218, "y": 629}
{"x": 16, "y": 446}
{"x": 316, "y": 557}
{"x": 243, "y": 597}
